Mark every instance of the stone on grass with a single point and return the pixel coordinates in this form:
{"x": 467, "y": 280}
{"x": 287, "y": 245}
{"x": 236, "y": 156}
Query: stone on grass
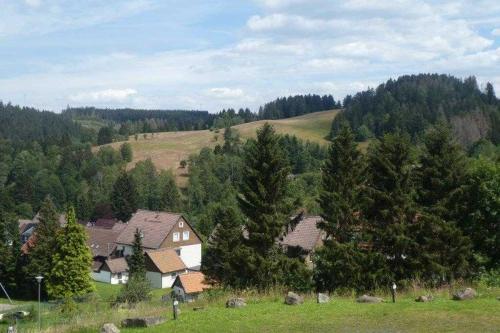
{"x": 109, "y": 328}
{"x": 465, "y": 294}
{"x": 424, "y": 298}
{"x": 368, "y": 299}
{"x": 293, "y": 299}
{"x": 142, "y": 321}
{"x": 323, "y": 298}
{"x": 236, "y": 302}
{"x": 198, "y": 308}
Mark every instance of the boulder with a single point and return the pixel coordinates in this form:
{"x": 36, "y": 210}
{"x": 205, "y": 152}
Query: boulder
{"x": 323, "y": 298}
{"x": 465, "y": 294}
{"x": 293, "y": 299}
{"x": 109, "y": 328}
{"x": 368, "y": 299}
{"x": 142, "y": 321}
{"x": 236, "y": 302}
{"x": 424, "y": 298}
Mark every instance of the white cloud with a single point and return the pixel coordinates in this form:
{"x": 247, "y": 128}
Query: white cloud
{"x": 225, "y": 92}
{"x": 106, "y": 95}
{"x": 496, "y": 32}
{"x": 33, "y": 3}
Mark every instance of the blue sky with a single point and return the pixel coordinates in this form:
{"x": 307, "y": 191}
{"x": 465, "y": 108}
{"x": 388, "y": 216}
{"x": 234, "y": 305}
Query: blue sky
{"x": 215, "y": 54}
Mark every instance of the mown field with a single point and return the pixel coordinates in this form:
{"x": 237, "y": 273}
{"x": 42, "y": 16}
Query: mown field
{"x": 167, "y": 149}
{"x": 267, "y": 313}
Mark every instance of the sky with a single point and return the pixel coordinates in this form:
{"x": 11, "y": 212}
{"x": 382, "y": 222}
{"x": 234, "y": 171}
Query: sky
{"x": 215, "y": 54}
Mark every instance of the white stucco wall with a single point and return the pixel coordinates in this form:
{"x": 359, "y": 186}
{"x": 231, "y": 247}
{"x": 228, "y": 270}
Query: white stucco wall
{"x": 115, "y": 280}
{"x": 167, "y": 280}
{"x": 191, "y": 255}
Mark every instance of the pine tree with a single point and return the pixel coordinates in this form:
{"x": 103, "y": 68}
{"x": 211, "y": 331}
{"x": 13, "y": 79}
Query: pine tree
{"x": 219, "y": 262}
{"x": 441, "y": 174}
{"x": 124, "y": 197}
{"x": 71, "y": 258}
{"x": 126, "y": 152}
{"x": 389, "y": 205}
{"x": 40, "y": 261}
{"x": 264, "y": 187}
{"x": 339, "y": 198}
{"x": 136, "y": 262}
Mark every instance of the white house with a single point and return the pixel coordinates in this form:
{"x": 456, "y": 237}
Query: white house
{"x": 113, "y": 271}
{"x": 162, "y": 267}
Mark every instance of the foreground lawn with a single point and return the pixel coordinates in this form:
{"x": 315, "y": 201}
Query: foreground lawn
{"x": 340, "y": 315}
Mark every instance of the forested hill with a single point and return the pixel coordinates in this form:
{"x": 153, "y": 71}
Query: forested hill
{"x": 139, "y": 121}
{"x": 412, "y": 103}
{"x": 292, "y": 106}
{"x": 22, "y": 125}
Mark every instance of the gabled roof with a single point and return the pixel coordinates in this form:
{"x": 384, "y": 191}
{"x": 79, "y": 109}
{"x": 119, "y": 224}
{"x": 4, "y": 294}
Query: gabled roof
{"x": 155, "y": 227}
{"x": 193, "y": 282}
{"x": 118, "y": 265}
{"x": 166, "y": 260}
{"x": 306, "y": 234}
{"x": 102, "y": 242}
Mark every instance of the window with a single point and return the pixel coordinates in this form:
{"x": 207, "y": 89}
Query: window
{"x": 177, "y": 236}
{"x": 181, "y": 224}
{"x": 185, "y": 235}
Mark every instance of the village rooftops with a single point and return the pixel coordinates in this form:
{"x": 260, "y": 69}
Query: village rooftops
{"x": 155, "y": 227}
{"x": 102, "y": 242}
{"x": 193, "y": 282}
{"x": 166, "y": 260}
{"x": 306, "y": 234}
{"x": 118, "y": 265}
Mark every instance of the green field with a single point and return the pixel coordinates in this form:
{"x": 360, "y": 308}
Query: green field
{"x": 167, "y": 149}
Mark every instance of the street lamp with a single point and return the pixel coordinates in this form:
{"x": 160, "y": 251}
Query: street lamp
{"x": 39, "y": 279}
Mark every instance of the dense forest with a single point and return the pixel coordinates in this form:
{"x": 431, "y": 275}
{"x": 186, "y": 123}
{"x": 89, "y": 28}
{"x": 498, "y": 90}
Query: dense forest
{"x": 413, "y": 103}
{"x": 292, "y": 106}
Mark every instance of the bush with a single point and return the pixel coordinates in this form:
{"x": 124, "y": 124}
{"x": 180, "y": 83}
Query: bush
{"x": 135, "y": 291}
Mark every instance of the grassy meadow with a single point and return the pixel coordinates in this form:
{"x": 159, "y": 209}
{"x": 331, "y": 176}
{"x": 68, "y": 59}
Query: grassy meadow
{"x": 167, "y": 149}
{"x": 267, "y": 313}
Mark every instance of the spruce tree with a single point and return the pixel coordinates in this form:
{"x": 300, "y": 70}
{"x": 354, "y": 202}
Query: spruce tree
{"x": 124, "y": 197}
{"x": 389, "y": 205}
{"x": 219, "y": 262}
{"x": 39, "y": 257}
{"x": 71, "y": 258}
{"x": 339, "y": 197}
{"x": 136, "y": 262}
{"x": 441, "y": 175}
{"x": 264, "y": 188}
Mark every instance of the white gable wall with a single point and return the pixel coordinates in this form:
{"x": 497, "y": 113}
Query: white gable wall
{"x": 191, "y": 255}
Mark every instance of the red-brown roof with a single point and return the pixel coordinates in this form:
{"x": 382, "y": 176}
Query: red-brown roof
{"x": 193, "y": 282}
{"x": 102, "y": 242}
{"x": 155, "y": 227}
{"x": 118, "y": 265}
{"x": 166, "y": 260}
{"x": 306, "y": 234}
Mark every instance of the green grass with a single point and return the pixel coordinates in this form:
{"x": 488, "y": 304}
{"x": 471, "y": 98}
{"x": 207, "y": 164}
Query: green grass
{"x": 340, "y": 315}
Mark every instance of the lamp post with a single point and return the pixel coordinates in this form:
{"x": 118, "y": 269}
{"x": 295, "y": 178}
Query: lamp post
{"x": 393, "y": 292}
{"x": 39, "y": 279}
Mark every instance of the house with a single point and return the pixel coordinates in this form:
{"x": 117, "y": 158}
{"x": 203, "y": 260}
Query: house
{"x": 187, "y": 287}
{"x": 113, "y": 271}
{"x": 162, "y": 230}
{"x": 304, "y": 237}
{"x": 27, "y": 227}
{"x": 162, "y": 267}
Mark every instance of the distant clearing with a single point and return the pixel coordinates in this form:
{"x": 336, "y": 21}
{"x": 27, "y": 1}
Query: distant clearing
{"x": 167, "y": 149}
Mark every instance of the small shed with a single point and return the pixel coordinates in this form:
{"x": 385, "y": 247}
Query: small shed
{"x": 113, "y": 271}
{"x": 187, "y": 287}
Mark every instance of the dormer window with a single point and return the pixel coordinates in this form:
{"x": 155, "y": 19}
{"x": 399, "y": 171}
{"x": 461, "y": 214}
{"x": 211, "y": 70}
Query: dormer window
{"x": 176, "y": 236}
{"x": 181, "y": 224}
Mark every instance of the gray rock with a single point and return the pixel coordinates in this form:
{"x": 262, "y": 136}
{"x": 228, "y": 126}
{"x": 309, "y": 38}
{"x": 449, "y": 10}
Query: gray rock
{"x": 198, "y": 308}
{"x": 368, "y": 299}
{"x": 293, "y": 299}
{"x": 142, "y": 321}
{"x": 109, "y": 328}
{"x": 424, "y": 298}
{"x": 236, "y": 302}
{"x": 323, "y": 298}
{"x": 466, "y": 294}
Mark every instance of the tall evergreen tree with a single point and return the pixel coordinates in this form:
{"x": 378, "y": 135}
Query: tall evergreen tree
{"x": 124, "y": 197}
{"x": 126, "y": 152}
{"x": 10, "y": 253}
{"x": 389, "y": 206}
{"x": 264, "y": 188}
{"x": 441, "y": 174}
{"x": 219, "y": 262}
{"x": 71, "y": 258}
{"x": 40, "y": 261}
{"x": 339, "y": 198}
{"x": 136, "y": 262}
